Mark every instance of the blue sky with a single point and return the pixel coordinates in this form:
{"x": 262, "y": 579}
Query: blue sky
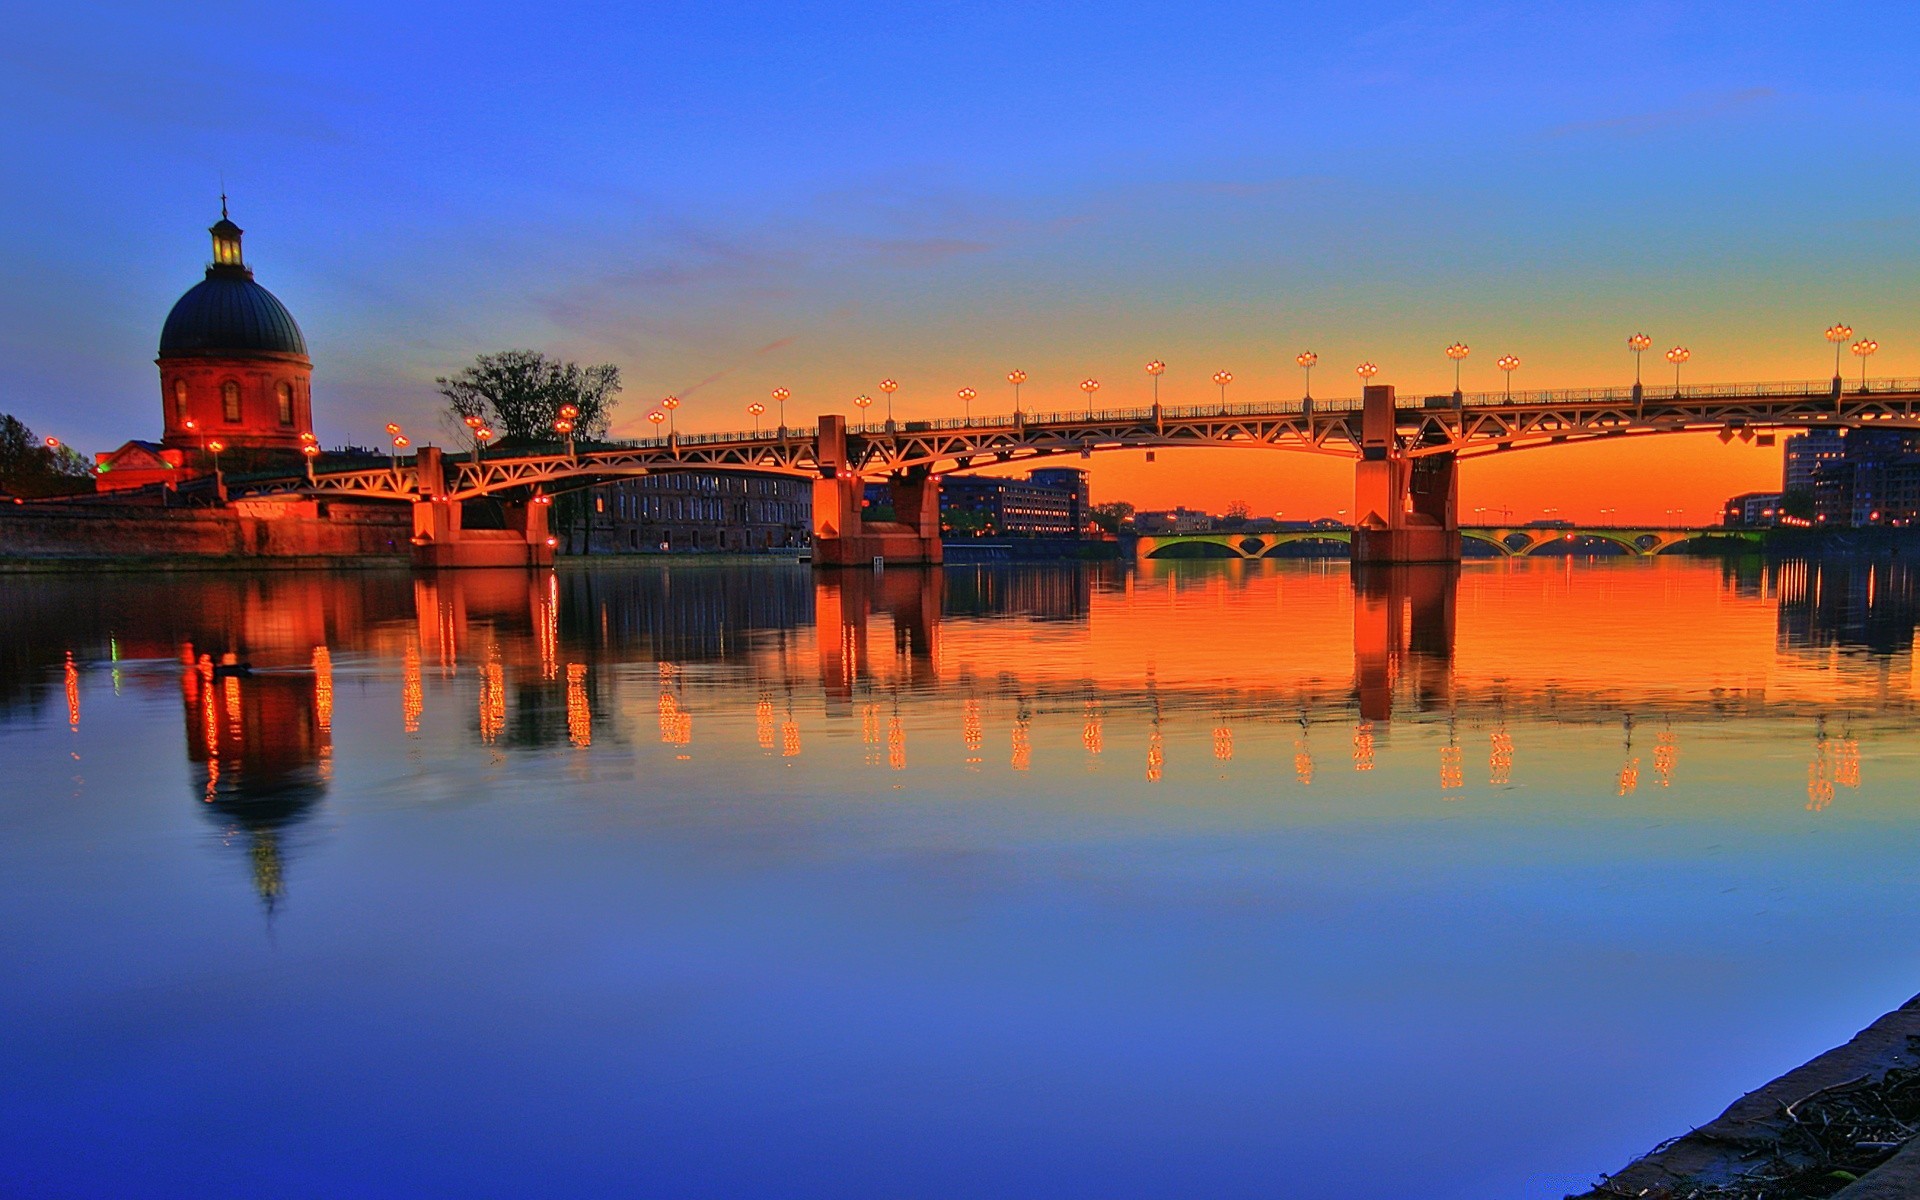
{"x": 725, "y": 198}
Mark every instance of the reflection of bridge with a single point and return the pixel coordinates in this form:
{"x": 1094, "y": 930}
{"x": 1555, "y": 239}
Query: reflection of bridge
{"x": 1406, "y": 475}
{"x": 1506, "y": 541}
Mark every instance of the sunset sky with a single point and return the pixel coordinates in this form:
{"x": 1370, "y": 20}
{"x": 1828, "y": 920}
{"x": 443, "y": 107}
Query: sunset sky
{"x": 726, "y": 198}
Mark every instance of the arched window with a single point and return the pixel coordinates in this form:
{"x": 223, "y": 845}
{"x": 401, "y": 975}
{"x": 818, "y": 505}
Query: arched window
{"x": 284, "y": 393}
{"x": 230, "y": 400}
{"x": 179, "y": 402}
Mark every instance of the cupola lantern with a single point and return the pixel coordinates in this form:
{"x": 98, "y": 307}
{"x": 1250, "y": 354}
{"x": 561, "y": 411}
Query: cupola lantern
{"x": 226, "y": 241}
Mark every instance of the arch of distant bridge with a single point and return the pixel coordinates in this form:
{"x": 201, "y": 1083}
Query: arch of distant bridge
{"x": 1509, "y": 542}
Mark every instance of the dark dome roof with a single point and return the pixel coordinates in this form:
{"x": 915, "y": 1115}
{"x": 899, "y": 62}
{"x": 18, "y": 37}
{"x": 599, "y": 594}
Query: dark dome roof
{"x": 228, "y": 313}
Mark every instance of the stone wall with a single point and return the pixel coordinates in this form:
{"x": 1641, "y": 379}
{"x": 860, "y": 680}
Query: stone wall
{"x": 248, "y": 530}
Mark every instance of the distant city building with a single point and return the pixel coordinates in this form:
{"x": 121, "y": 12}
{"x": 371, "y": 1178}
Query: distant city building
{"x": 1804, "y": 453}
{"x": 1173, "y": 520}
{"x": 685, "y": 511}
{"x": 1048, "y": 503}
{"x": 1752, "y": 508}
{"x": 1874, "y": 480}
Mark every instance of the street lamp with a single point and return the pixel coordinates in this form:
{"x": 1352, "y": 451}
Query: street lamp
{"x": 1638, "y": 343}
{"x": 756, "y": 408}
{"x": 780, "y": 397}
{"x": 482, "y": 436}
{"x": 1089, "y": 386}
{"x": 563, "y": 425}
{"x": 310, "y": 449}
{"x": 1676, "y": 356}
{"x": 862, "y": 402}
{"x": 473, "y": 425}
{"x": 670, "y": 404}
{"x": 1861, "y": 349}
{"x": 1366, "y": 371}
{"x": 1154, "y": 370}
{"x": 966, "y": 399}
{"x": 658, "y": 418}
{"x": 1223, "y": 378}
{"x": 1306, "y": 359}
{"x": 219, "y": 480}
{"x": 1508, "y": 363}
{"x": 889, "y": 387}
{"x": 1838, "y": 333}
{"x": 1456, "y": 352}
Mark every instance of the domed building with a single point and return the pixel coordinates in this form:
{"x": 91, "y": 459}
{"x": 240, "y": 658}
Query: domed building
{"x": 233, "y": 370}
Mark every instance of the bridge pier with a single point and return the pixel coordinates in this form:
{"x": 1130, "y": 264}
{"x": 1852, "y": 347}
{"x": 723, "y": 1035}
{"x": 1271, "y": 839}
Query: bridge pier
{"x": 1406, "y": 510}
{"x": 1403, "y": 627}
{"x": 843, "y": 537}
{"x": 441, "y": 542}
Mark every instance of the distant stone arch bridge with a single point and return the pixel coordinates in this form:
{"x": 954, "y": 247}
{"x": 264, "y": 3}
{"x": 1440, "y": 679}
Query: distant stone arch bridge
{"x": 1507, "y": 541}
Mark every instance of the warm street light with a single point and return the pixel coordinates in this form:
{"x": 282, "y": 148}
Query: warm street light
{"x": 1838, "y": 333}
{"x": 1155, "y": 369}
{"x": 1089, "y": 386}
{"x": 658, "y": 418}
{"x": 219, "y": 480}
{"x": 966, "y": 399}
{"x": 1456, "y": 352}
{"x": 1861, "y": 349}
{"x": 1638, "y": 343}
{"x": 311, "y": 451}
{"x": 889, "y": 387}
{"x": 563, "y": 425}
{"x": 757, "y": 409}
{"x": 1366, "y": 371}
{"x": 1306, "y": 359}
{"x": 1676, "y": 356}
{"x": 670, "y": 404}
{"x": 393, "y": 430}
{"x": 780, "y": 397}
{"x": 1016, "y": 378}
{"x": 862, "y": 402}
{"x": 1508, "y": 363}
{"x": 1223, "y": 378}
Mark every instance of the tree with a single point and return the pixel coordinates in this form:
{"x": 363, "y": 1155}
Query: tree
{"x": 1111, "y": 516}
{"x": 1798, "y": 504}
{"x": 519, "y": 392}
{"x": 24, "y": 457}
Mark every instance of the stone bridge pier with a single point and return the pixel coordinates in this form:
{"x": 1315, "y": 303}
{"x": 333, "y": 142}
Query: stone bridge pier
{"x": 843, "y": 537}
{"x": 1405, "y": 510}
{"x": 441, "y": 540}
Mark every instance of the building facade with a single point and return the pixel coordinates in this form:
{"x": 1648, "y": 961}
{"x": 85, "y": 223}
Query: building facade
{"x": 1874, "y": 480}
{"x": 1752, "y": 508}
{"x": 1804, "y": 453}
{"x": 1047, "y": 503}
{"x": 685, "y": 511}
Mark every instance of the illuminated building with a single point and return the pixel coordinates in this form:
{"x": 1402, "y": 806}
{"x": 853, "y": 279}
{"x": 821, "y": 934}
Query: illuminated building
{"x": 690, "y": 510}
{"x": 1047, "y": 503}
{"x": 1752, "y": 508}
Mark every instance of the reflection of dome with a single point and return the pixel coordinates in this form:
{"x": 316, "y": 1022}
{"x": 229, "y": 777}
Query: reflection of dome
{"x": 228, "y": 314}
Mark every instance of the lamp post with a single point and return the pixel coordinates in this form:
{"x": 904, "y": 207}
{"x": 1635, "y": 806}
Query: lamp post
{"x": 563, "y": 425}
{"x": 473, "y": 425}
{"x": 219, "y": 480}
{"x": 863, "y": 402}
{"x": 1861, "y": 349}
{"x": 658, "y": 418}
{"x": 1638, "y": 343}
{"x": 756, "y": 408}
{"x": 966, "y": 400}
{"x": 1016, "y": 378}
{"x": 1154, "y": 370}
{"x": 1457, "y": 352}
{"x": 671, "y": 403}
{"x": 1306, "y": 359}
{"x": 889, "y": 387}
{"x": 1838, "y": 333}
{"x": 1223, "y": 378}
{"x": 1676, "y": 356}
{"x": 1089, "y": 386}
{"x": 780, "y": 397}
{"x": 482, "y": 436}
{"x": 1508, "y": 363}
{"x": 1366, "y": 371}
{"x": 310, "y": 450}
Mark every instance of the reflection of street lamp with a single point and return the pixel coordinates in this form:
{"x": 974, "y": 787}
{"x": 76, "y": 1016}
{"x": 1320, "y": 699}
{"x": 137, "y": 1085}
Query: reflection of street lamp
{"x": 1366, "y": 371}
{"x": 1089, "y": 386}
{"x": 1508, "y": 363}
{"x": 863, "y": 402}
{"x": 889, "y": 387}
{"x": 756, "y": 408}
{"x": 1638, "y": 343}
{"x": 1457, "y": 352}
{"x": 670, "y": 404}
{"x": 780, "y": 397}
{"x": 1223, "y": 378}
{"x": 1676, "y": 356}
{"x": 966, "y": 399}
{"x": 1306, "y": 359}
{"x": 1838, "y": 333}
{"x": 1861, "y": 349}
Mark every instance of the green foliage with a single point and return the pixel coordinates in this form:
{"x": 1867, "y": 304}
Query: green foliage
{"x": 519, "y": 392}
{"x": 25, "y": 457}
{"x": 1111, "y": 516}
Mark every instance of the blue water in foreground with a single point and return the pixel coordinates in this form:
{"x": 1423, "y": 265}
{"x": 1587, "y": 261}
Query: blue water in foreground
{"x": 1209, "y": 880}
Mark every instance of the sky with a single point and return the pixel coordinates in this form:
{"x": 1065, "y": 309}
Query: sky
{"x": 726, "y": 198}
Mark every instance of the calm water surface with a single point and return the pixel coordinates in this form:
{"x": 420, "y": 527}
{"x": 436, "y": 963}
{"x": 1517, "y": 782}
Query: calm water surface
{"x": 1186, "y": 880}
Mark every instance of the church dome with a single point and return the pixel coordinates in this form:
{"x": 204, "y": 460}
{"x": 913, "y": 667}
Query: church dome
{"x": 227, "y": 313}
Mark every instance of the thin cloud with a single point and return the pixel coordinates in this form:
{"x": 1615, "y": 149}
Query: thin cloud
{"x": 1704, "y": 108}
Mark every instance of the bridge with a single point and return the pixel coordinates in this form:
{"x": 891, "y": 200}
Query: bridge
{"x": 1503, "y": 541}
{"x": 1406, "y": 458}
